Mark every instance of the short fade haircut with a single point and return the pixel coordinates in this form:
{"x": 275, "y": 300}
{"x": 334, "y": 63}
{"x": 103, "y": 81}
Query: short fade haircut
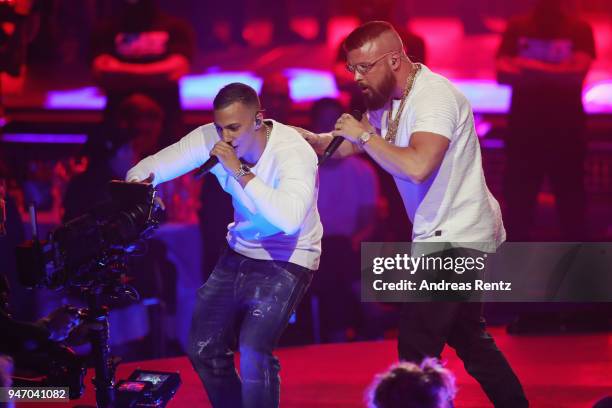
{"x": 366, "y": 33}
{"x": 236, "y": 92}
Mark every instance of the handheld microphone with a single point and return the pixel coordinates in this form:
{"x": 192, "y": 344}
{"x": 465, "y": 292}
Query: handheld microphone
{"x": 213, "y": 160}
{"x": 206, "y": 167}
{"x": 337, "y": 140}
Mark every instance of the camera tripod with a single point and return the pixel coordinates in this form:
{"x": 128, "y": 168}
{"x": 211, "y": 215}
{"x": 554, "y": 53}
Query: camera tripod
{"x": 96, "y": 318}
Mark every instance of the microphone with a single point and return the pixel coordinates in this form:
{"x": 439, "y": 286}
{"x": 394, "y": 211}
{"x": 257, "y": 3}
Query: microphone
{"x": 337, "y": 140}
{"x": 206, "y": 167}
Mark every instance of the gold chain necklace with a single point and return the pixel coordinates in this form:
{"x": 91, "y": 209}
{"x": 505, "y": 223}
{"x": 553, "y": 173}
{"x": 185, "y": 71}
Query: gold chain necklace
{"x": 393, "y": 124}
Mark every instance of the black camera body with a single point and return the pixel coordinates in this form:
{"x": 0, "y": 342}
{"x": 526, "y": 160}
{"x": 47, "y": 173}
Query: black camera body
{"x": 91, "y": 253}
{"x": 89, "y": 249}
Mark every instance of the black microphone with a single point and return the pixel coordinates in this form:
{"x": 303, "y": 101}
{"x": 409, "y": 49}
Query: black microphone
{"x": 206, "y": 167}
{"x": 337, "y": 140}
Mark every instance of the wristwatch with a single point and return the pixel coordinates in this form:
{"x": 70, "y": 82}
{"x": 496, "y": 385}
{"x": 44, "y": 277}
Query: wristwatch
{"x": 243, "y": 170}
{"x": 365, "y": 138}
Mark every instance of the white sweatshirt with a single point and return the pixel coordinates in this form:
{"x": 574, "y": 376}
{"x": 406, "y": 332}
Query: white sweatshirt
{"x": 275, "y": 215}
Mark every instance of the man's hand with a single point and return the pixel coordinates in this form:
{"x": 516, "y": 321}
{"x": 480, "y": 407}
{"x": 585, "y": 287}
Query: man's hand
{"x": 318, "y": 141}
{"x": 149, "y": 179}
{"x": 350, "y": 128}
{"x": 227, "y": 156}
{"x": 60, "y": 322}
{"x": 158, "y": 201}
{"x": 134, "y": 179}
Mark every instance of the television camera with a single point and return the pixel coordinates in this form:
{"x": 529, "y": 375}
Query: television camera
{"x": 91, "y": 253}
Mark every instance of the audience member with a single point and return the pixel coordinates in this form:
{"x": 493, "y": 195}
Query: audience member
{"x": 545, "y": 57}
{"x": 408, "y": 385}
{"x": 133, "y": 133}
{"x": 143, "y": 50}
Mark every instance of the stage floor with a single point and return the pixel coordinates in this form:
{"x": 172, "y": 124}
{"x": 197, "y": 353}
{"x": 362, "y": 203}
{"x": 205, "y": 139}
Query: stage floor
{"x": 566, "y": 371}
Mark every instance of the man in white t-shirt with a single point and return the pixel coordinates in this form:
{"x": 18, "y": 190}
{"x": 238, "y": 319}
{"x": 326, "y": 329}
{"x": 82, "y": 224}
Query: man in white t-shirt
{"x": 431, "y": 149}
{"x": 274, "y": 243}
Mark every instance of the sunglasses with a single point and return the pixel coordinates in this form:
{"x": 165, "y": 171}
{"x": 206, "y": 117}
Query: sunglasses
{"x": 365, "y": 67}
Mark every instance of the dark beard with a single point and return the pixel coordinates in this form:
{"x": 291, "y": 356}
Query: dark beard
{"x": 380, "y": 96}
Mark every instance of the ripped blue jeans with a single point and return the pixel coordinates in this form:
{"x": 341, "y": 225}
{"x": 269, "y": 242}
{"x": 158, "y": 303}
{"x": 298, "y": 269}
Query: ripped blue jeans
{"x": 245, "y": 305}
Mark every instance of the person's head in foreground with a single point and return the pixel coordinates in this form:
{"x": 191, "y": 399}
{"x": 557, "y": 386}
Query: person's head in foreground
{"x": 410, "y": 385}
{"x": 605, "y": 402}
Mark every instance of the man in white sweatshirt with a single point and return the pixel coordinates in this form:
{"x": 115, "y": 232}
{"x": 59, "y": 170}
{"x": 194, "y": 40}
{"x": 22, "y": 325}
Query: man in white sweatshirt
{"x": 274, "y": 243}
{"x": 420, "y": 129}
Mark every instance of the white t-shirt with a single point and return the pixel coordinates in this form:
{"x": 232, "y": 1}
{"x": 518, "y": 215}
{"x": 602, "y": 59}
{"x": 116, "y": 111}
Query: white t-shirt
{"x": 275, "y": 215}
{"x": 454, "y": 204}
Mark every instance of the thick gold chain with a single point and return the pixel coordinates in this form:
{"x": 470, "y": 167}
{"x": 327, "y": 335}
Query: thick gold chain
{"x": 393, "y": 124}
